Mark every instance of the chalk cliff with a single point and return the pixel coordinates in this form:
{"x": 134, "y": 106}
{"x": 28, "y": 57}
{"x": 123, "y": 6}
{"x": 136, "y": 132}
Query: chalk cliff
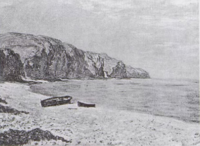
{"x": 26, "y": 56}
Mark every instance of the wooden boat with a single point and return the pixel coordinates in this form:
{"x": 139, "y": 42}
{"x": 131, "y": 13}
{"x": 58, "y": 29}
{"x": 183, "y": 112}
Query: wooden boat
{"x": 54, "y": 101}
{"x": 82, "y": 104}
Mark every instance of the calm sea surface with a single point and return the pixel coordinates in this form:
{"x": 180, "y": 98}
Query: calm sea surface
{"x": 171, "y": 98}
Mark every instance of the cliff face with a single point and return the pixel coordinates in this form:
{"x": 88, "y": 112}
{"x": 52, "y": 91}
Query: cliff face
{"x": 11, "y": 67}
{"x": 38, "y": 57}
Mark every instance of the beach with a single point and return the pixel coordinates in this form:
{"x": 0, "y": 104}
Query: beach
{"x": 93, "y": 126}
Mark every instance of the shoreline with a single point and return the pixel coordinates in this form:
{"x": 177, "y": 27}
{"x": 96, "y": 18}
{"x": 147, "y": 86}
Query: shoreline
{"x": 27, "y": 87}
{"x": 159, "y": 98}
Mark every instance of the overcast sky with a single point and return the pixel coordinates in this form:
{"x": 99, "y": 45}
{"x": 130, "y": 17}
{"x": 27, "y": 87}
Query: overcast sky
{"x": 160, "y": 36}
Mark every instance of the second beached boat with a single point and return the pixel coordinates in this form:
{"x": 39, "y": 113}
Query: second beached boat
{"x": 82, "y": 104}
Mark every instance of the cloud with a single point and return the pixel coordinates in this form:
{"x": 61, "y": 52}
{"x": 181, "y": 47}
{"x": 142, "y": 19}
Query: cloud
{"x": 110, "y": 8}
{"x": 183, "y": 2}
{"x": 65, "y": 1}
{"x": 114, "y": 4}
{"x": 5, "y": 4}
{"x": 118, "y": 8}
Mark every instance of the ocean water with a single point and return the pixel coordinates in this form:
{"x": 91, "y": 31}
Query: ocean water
{"x": 171, "y": 98}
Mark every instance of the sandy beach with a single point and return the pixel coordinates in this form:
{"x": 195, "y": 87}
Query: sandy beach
{"x": 93, "y": 126}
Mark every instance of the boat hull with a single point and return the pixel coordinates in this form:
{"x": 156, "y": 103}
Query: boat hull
{"x": 82, "y": 104}
{"x": 55, "y": 101}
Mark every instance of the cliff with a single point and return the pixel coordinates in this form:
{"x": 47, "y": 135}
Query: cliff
{"x": 26, "y": 56}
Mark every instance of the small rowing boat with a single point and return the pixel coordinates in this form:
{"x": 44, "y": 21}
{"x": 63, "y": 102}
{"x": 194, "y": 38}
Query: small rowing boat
{"x": 82, "y": 104}
{"x": 54, "y": 101}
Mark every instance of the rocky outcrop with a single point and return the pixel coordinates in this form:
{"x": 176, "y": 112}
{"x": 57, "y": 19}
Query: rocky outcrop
{"x": 11, "y": 67}
{"x": 26, "y": 56}
{"x": 119, "y": 71}
{"x": 3, "y": 101}
{"x": 7, "y": 109}
{"x": 21, "y": 137}
{"x": 136, "y": 72}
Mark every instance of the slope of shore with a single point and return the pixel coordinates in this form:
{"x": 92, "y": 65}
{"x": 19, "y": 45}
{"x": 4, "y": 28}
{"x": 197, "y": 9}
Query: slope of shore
{"x": 93, "y": 126}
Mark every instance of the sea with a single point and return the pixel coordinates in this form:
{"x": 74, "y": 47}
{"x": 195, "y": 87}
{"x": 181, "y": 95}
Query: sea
{"x": 175, "y": 98}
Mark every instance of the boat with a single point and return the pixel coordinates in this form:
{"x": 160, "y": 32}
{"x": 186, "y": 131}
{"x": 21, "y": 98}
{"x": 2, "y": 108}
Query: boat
{"x": 54, "y": 101}
{"x": 82, "y": 104}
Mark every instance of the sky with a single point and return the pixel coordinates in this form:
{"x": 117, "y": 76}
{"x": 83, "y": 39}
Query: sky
{"x": 160, "y": 36}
